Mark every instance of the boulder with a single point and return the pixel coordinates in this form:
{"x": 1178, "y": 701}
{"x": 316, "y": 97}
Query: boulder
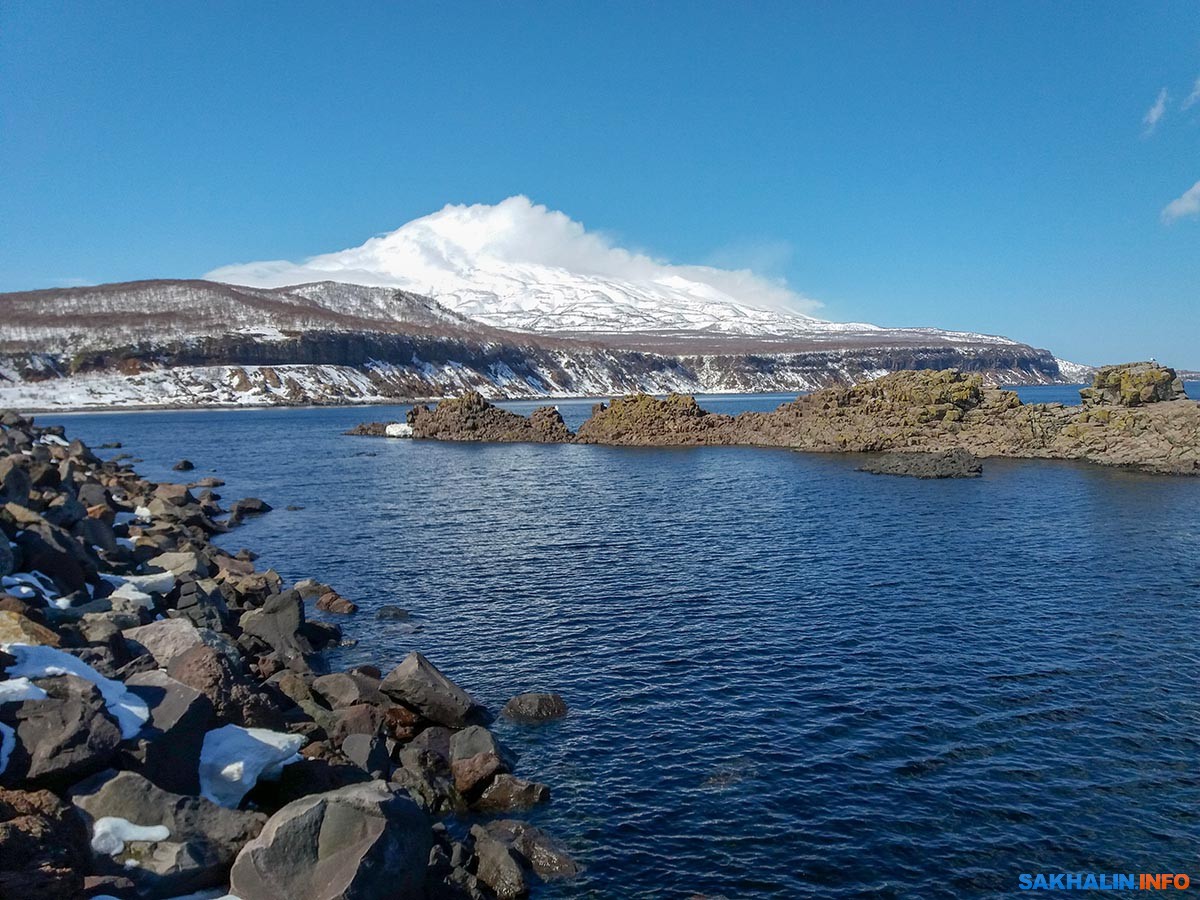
{"x": 355, "y": 843}
{"x": 184, "y": 465}
{"x": 547, "y": 857}
{"x": 499, "y": 868}
{"x": 332, "y": 601}
{"x": 174, "y": 495}
{"x": 473, "y": 774}
{"x": 180, "y": 564}
{"x": 168, "y": 749}
{"x": 342, "y": 689}
{"x": 19, "y": 629}
{"x": 390, "y": 613}
{"x": 165, "y": 639}
{"x": 369, "y": 753}
{"x": 201, "y": 603}
{"x": 43, "y": 846}
{"x": 61, "y": 738}
{"x": 532, "y": 708}
{"x": 508, "y": 793}
{"x": 1133, "y": 384}
{"x": 202, "y": 839}
{"x": 235, "y": 700}
{"x": 278, "y": 624}
{"x": 8, "y": 561}
{"x": 418, "y": 683}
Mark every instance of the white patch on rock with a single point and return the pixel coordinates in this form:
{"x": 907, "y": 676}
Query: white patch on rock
{"x": 398, "y": 430}
{"x": 127, "y": 708}
{"x": 111, "y": 833}
{"x": 233, "y": 758}
{"x": 18, "y": 690}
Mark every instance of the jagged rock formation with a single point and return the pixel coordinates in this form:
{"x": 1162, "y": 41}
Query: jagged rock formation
{"x": 1152, "y": 428}
{"x": 1133, "y": 384}
{"x": 471, "y": 418}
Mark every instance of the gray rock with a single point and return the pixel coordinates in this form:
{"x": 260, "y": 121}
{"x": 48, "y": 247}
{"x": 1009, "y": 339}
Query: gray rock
{"x": 356, "y": 843}
{"x": 957, "y": 463}
{"x": 181, "y": 565}
{"x": 547, "y": 857}
{"x": 500, "y": 869}
{"x": 343, "y": 689}
{"x": 62, "y": 738}
{"x": 97, "y": 533}
{"x": 201, "y": 602}
{"x": 535, "y": 707}
{"x": 476, "y": 739}
{"x": 278, "y": 624}
{"x": 204, "y": 838}
{"x": 93, "y": 494}
{"x": 418, "y": 683}
{"x": 391, "y": 613}
{"x": 165, "y": 639}
{"x": 168, "y": 749}
{"x": 369, "y": 753}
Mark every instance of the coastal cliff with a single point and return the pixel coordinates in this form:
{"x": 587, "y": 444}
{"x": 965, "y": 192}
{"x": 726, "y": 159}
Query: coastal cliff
{"x": 1134, "y": 415}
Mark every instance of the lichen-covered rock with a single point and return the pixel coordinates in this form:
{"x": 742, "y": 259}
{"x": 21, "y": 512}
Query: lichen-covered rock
{"x": 1133, "y": 384}
{"x": 957, "y": 463}
{"x": 472, "y": 418}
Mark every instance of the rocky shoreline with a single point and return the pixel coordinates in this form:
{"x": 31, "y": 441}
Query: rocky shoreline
{"x": 168, "y": 723}
{"x": 1134, "y": 415}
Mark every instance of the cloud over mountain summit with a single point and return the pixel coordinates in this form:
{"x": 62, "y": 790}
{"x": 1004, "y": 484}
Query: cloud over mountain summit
{"x": 520, "y": 264}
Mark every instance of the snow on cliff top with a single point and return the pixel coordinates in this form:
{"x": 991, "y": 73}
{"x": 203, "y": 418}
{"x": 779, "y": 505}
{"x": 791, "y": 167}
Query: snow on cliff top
{"x": 521, "y": 266}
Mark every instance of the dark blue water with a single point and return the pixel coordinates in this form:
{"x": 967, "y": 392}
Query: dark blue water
{"x": 787, "y": 678}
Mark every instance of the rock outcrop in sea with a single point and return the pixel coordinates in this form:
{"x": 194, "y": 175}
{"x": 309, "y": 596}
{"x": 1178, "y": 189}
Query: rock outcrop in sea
{"x": 168, "y": 723}
{"x": 1134, "y": 415}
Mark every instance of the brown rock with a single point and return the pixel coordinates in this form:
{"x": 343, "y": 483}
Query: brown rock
{"x": 43, "y": 846}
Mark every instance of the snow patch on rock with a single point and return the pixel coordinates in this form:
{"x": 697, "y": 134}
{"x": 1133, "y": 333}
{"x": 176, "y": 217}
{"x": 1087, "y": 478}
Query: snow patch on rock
{"x": 110, "y": 834}
{"x": 232, "y": 759}
{"x": 127, "y": 708}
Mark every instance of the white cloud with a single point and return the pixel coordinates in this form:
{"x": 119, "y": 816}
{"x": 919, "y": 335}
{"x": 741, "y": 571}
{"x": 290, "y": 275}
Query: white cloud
{"x": 1187, "y": 204}
{"x": 1194, "y": 97}
{"x": 504, "y": 248}
{"x": 1155, "y": 113}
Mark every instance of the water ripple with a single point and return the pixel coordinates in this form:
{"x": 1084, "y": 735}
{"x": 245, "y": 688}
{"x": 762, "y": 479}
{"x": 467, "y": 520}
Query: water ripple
{"x": 787, "y": 679}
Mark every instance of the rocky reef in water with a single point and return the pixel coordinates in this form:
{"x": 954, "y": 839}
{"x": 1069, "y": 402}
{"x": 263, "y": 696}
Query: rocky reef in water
{"x": 1134, "y": 415}
{"x": 168, "y": 723}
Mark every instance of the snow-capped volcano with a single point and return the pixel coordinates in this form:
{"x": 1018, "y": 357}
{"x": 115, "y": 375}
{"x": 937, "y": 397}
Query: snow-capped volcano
{"x": 521, "y": 266}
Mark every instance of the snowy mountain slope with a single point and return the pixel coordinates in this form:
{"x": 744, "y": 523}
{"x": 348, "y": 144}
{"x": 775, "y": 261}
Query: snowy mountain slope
{"x": 523, "y": 267}
{"x": 199, "y": 343}
{"x": 69, "y": 320}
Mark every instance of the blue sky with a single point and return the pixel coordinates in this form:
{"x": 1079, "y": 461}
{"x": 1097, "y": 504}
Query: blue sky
{"x": 967, "y": 165}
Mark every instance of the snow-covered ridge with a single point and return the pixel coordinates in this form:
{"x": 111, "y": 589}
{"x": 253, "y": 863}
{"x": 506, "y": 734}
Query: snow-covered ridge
{"x": 520, "y": 266}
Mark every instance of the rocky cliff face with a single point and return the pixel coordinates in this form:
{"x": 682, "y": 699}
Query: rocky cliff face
{"x": 1149, "y": 426}
{"x": 201, "y": 343}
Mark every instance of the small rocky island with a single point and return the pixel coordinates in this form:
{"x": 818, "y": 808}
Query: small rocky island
{"x": 1134, "y": 415}
{"x": 168, "y": 722}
